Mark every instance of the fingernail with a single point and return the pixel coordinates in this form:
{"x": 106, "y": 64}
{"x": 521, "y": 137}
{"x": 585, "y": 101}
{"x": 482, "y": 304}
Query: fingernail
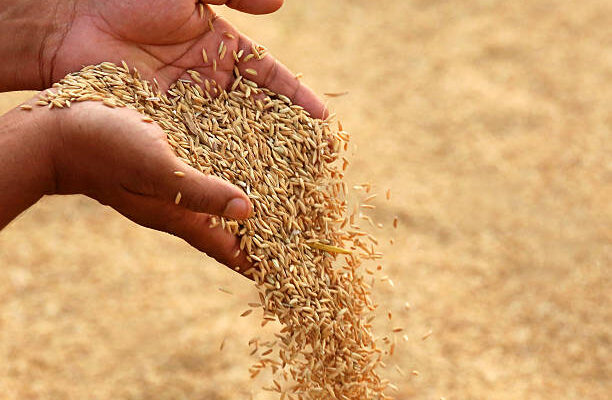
{"x": 237, "y": 209}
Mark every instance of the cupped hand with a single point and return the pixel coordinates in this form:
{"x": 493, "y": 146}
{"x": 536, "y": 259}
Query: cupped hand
{"x": 111, "y": 155}
{"x": 115, "y": 157}
{"x": 164, "y": 39}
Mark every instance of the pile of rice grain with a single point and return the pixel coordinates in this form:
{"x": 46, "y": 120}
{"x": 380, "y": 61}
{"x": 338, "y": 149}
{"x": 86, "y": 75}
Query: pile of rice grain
{"x": 305, "y": 246}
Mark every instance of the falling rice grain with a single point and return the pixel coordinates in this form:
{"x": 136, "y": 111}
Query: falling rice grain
{"x": 225, "y": 291}
{"x": 338, "y": 94}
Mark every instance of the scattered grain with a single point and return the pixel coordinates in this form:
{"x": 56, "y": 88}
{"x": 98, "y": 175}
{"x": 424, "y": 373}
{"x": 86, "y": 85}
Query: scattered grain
{"x": 370, "y": 198}
{"x": 195, "y": 75}
{"x": 338, "y": 94}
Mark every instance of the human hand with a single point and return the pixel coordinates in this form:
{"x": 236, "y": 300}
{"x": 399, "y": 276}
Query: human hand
{"x": 162, "y": 38}
{"x": 115, "y": 157}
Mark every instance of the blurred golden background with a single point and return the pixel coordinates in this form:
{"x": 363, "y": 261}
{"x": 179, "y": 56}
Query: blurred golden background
{"x": 491, "y": 121}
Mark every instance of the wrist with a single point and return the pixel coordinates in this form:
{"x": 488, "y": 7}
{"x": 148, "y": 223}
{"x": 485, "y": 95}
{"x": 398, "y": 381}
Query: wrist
{"x": 31, "y": 32}
{"x": 26, "y": 160}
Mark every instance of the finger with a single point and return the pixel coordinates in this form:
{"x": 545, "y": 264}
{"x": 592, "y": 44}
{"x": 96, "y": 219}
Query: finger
{"x": 151, "y": 165}
{"x": 190, "y": 226}
{"x": 270, "y": 73}
{"x": 196, "y": 191}
{"x": 250, "y": 6}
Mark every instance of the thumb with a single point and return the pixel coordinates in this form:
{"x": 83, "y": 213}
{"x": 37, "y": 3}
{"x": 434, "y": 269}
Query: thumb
{"x": 196, "y": 191}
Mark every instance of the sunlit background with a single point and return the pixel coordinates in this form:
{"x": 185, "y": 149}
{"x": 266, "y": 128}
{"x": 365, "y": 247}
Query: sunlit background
{"x": 491, "y": 122}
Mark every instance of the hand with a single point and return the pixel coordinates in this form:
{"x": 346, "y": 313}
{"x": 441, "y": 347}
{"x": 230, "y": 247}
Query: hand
{"x": 162, "y": 38}
{"x": 115, "y": 157}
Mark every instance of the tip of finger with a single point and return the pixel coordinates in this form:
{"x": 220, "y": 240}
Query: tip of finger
{"x": 322, "y": 113}
{"x": 238, "y": 208}
{"x": 318, "y": 111}
{"x": 256, "y": 6}
{"x": 308, "y": 99}
{"x": 275, "y": 4}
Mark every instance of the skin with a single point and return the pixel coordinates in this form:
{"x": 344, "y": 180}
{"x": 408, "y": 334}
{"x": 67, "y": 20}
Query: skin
{"x": 111, "y": 155}
{"x": 163, "y": 38}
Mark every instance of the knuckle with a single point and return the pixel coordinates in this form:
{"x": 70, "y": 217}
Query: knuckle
{"x": 203, "y": 203}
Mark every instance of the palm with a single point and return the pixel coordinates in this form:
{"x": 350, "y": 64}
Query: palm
{"x": 164, "y": 39}
{"x": 127, "y": 164}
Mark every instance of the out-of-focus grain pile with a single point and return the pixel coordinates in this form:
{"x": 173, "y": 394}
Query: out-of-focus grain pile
{"x": 305, "y": 244}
